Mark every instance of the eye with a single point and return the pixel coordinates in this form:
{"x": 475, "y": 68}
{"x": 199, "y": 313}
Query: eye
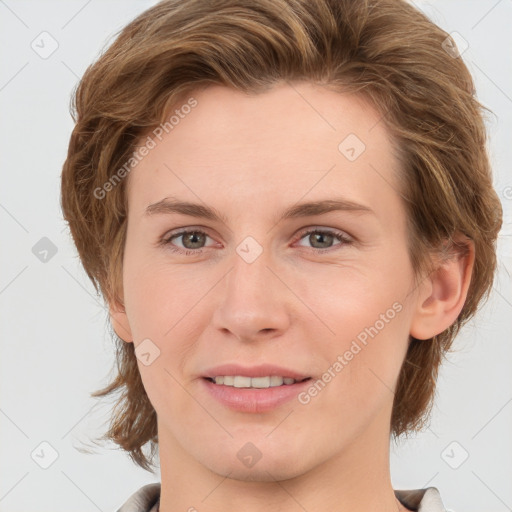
{"x": 193, "y": 240}
{"x": 324, "y": 238}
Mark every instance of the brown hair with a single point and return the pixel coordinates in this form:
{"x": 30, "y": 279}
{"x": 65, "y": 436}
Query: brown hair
{"x": 385, "y": 50}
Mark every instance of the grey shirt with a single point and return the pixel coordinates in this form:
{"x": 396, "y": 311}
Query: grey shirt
{"x": 147, "y": 499}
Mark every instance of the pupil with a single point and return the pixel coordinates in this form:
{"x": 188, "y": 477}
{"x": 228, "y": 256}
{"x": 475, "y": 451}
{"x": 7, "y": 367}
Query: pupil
{"x": 321, "y": 235}
{"x": 193, "y": 236}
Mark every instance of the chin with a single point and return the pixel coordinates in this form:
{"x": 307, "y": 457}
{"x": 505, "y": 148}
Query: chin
{"x": 272, "y": 473}
{"x": 267, "y": 469}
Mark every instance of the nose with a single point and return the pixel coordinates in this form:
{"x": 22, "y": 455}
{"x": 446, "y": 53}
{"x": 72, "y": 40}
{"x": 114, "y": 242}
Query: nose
{"x": 255, "y": 303}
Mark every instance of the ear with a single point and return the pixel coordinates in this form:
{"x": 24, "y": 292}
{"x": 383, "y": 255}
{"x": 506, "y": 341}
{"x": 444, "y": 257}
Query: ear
{"x": 119, "y": 321}
{"x": 443, "y": 292}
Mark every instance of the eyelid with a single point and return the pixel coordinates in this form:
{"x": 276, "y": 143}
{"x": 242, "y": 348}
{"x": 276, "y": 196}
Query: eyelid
{"x": 166, "y": 238}
{"x": 323, "y": 229}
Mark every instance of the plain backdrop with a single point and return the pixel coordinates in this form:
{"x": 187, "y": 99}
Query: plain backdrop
{"x": 55, "y": 343}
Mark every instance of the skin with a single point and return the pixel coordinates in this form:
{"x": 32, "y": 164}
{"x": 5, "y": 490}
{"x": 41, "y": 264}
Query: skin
{"x": 250, "y": 157}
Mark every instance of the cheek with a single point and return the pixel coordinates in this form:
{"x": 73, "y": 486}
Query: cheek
{"x": 369, "y": 323}
{"x": 363, "y": 365}
{"x": 159, "y": 299}
{"x": 162, "y": 306}
{"x": 352, "y": 301}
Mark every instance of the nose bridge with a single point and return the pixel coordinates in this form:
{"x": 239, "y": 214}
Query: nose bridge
{"x": 252, "y": 299}
{"x": 250, "y": 272}
{"x": 249, "y": 278}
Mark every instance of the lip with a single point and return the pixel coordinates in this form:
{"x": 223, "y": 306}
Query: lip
{"x": 261, "y": 370}
{"x": 255, "y": 400}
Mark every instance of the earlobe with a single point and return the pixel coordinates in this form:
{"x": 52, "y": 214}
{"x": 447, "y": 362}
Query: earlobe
{"x": 443, "y": 292}
{"x": 120, "y": 323}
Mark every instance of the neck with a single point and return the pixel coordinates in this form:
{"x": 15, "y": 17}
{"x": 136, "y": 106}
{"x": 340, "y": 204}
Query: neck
{"x": 355, "y": 480}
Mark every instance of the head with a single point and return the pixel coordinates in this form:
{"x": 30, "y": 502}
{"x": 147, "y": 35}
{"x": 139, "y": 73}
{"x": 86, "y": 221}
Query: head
{"x": 276, "y": 103}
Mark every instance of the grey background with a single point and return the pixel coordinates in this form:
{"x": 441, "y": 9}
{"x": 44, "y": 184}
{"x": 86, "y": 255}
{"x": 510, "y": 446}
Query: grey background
{"x": 55, "y": 345}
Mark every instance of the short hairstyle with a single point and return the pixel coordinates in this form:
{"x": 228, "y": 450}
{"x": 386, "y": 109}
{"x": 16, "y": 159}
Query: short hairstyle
{"x": 385, "y": 51}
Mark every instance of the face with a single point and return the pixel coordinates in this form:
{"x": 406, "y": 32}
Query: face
{"x": 321, "y": 293}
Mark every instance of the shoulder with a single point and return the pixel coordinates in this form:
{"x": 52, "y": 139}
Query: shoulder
{"x": 421, "y": 500}
{"x": 144, "y": 500}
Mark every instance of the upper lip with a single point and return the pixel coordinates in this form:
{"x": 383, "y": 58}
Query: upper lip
{"x": 261, "y": 370}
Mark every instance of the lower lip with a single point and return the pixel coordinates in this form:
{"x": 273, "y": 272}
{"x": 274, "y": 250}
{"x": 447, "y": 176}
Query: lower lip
{"x": 254, "y": 399}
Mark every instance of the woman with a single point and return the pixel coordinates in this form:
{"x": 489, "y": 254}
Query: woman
{"x": 288, "y": 207}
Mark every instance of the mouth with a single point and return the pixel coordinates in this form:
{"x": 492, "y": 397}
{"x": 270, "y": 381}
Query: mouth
{"x": 254, "y": 388}
{"x": 260, "y": 394}
{"x": 242, "y": 381}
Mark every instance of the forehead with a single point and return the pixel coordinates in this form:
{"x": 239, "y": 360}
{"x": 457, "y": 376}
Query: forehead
{"x": 294, "y": 138}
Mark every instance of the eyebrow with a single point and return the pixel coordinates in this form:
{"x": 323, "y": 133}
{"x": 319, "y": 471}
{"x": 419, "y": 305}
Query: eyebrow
{"x": 170, "y": 205}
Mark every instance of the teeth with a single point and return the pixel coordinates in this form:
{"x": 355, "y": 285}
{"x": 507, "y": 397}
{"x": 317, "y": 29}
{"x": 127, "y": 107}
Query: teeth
{"x": 275, "y": 380}
{"x": 242, "y": 382}
{"x": 239, "y": 381}
{"x": 260, "y": 382}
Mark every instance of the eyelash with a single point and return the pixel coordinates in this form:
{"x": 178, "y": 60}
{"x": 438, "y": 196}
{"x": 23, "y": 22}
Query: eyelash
{"x": 166, "y": 241}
